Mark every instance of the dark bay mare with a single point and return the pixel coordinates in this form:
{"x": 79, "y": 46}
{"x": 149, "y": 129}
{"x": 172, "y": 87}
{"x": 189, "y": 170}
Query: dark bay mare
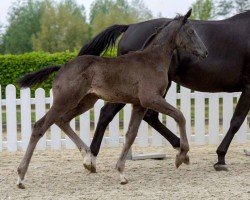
{"x": 226, "y": 69}
{"x": 139, "y": 78}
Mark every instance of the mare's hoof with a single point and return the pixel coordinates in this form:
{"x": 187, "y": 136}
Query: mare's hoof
{"x": 90, "y": 168}
{"x": 220, "y": 167}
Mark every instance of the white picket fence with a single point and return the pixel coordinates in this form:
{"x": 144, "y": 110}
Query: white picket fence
{"x": 207, "y": 115}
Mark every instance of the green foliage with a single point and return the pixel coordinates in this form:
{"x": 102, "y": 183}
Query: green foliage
{"x": 12, "y": 67}
{"x": 108, "y": 12}
{"x": 63, "y": 27}
{"x": 202, "y": 10}
{"x": 24, "y": 21}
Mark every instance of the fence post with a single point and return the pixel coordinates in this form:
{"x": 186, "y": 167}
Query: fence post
{"x": 156, "y": 137}
{"x": 241, "y": 136}
{"x": 227, "y": 111}
{"x": 171, "y": 98}
{"x": 97, "y": 108}
{"x": 25, "y": 117}
{"x": 186, "y": 109}
{"x": 1, "y": 124}
{"x": 69, "y": 143}
{"x": 40, "y": 112}
{"x": 11, "y": 117}
{"x": 55, "y": 130}
{"x": 114, "y": 132}
{"x": 85, "y": 127}
{"x": 199, "y": 118}
{"x": 213, "y": 118}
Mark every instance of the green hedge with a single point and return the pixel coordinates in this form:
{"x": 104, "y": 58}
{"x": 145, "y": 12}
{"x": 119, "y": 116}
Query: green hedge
{"x": 12, "y": 67}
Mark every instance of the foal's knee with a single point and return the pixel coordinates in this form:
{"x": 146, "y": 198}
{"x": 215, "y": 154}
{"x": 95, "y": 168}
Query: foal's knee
{"x": 179, "y": 118}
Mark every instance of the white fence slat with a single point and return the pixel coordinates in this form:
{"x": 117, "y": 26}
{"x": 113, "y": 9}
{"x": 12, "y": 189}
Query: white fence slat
{"x": 227, "y": 111}
{"x": 69, "y": 143}
{"x": 171, "y": 98}
{"x": 85, "y": 127}
{"x": 1, "y": 122}
{"x": 25, "y": 117}
{"x": 126, "y": 117}
{"x": 40, "y": 112}
{"x": 186, "y": 109}
{"x": 157, "y": 137}
{"x": 143, "y": 135}
{"x": 55, "y": 131}
{"x": 213, "y": 118}
{"x": 199, "y": 118}
{"x": 11, "y": 118}
{"x": 241, "y": 135}
{"x": 114, "y": 132}
{"x": 97, "y": 109}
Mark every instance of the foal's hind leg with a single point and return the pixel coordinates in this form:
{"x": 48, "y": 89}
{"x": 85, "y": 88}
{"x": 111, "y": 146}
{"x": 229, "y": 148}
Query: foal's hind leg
{"x": 40, "y": 127}
{"x": 136, "y": 117}
{"x": 86, "y": 103}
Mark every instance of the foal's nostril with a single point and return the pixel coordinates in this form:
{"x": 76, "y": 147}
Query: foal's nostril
{"x": 206, "y": 53}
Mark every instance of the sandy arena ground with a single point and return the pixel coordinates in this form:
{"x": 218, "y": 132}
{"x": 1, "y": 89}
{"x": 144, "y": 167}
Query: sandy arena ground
{"x": 60, "y": 175}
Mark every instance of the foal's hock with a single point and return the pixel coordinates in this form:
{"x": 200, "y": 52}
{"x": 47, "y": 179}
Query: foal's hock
{"x": 139, "y": 78}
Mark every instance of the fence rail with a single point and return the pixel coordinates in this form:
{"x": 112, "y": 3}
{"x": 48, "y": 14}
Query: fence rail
{"x": 207, "y": 114}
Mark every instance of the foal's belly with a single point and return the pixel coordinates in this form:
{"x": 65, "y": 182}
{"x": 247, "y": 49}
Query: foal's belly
{"x": 116, "y": 96}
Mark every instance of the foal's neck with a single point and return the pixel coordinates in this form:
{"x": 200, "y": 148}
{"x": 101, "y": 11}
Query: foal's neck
{"x": 164, "y": 43}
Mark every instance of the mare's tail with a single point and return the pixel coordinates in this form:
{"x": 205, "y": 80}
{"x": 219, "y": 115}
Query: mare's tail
{"x": 103, "y": 40}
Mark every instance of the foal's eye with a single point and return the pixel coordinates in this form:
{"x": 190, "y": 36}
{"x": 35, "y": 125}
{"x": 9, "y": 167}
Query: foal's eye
{"x": 190, "y": 31}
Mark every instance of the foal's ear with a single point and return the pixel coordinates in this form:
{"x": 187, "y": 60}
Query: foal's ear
{"x": 185, "y": 17}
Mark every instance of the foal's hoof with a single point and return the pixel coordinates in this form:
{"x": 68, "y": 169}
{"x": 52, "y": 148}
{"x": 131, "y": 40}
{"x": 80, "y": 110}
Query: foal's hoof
{"x": 186, "y": 160}
{"x": 20, "y": 184}
{"x": 123, "y": 180}
{"x": 89, "y": 162}
{"x": 90, "y": 168}
{"x": 180, "y": 158}
{"x": 220, "y": 167}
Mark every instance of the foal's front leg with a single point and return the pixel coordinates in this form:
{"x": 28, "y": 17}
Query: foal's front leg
{"x": 137, "y": 115}
{"x": 159, "y": 104}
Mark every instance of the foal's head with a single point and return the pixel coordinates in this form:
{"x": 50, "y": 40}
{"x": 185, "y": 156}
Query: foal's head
{"x": 179, "y": 34}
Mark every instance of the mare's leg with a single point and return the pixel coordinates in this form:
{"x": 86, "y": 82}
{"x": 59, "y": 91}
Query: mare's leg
{"x": 239, "y": 116}
{"x": 108, "y": 111}
{"x": 40, "y": 127}
{"x": 136, "y": 117}
{"x": 159, "y": 104}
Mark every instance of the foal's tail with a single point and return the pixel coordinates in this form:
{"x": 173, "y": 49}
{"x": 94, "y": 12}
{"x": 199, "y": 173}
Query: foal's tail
{"x": 37, "y": 77}
{"x": 103, "y": 40}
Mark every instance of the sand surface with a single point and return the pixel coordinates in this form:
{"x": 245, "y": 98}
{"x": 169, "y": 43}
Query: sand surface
{"x": 60, "y": 175}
